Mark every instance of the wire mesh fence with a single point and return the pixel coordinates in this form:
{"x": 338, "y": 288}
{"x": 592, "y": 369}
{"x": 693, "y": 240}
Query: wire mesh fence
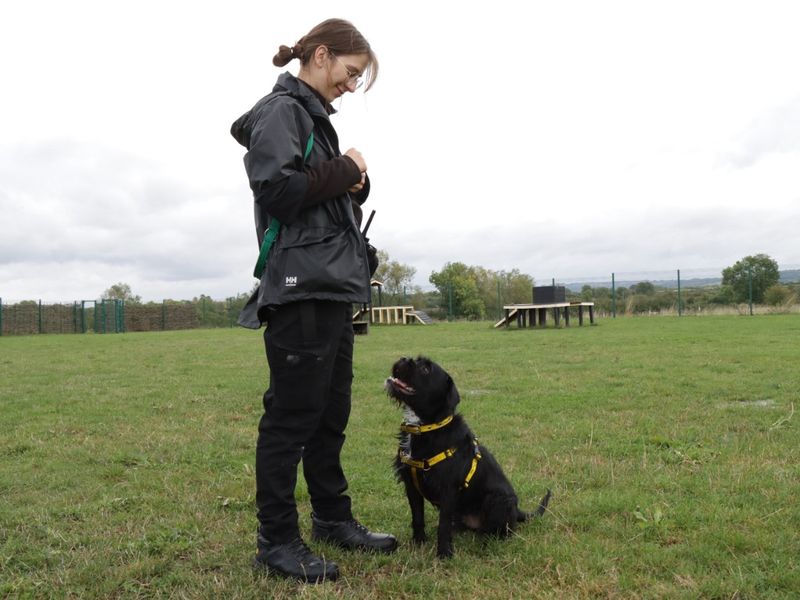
{"x": 28, "y": 317}
{"x": 687, "y": 291}
{"x": 679, "y": 292}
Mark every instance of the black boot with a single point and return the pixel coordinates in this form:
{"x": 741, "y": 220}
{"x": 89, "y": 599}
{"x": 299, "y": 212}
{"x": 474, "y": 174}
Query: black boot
{"x": 351, "y": 535}
{"x": 293, "y": 559}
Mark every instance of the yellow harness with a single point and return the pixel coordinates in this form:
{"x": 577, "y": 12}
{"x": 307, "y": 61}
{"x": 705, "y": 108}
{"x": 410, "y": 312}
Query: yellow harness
{"x": 428, "y": 463}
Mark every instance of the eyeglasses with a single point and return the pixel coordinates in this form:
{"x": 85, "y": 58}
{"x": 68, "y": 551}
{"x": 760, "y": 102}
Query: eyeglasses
{"x": 352, "y": 76}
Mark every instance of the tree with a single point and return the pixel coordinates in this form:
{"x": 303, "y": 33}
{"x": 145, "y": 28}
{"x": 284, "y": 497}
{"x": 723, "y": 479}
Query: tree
{"x": 392, "y": 274}
{"x": 457, "y": 282}
{"x": 502, "y": 287}
{"x": 645, "y": 288}
{"x": 478, "y": 292}
{"x": 759, "y": 270}
{"x": 121, "y": 291}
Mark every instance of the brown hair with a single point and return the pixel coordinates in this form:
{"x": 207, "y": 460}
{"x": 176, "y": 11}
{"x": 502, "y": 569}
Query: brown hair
{"x": 340, "y": 37}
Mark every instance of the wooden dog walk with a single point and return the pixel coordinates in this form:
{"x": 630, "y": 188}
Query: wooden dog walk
{"x": 527, "y": 313}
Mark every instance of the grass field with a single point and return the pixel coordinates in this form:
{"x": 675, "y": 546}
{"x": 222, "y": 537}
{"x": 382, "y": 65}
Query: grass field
{"x": 670, "y": 444}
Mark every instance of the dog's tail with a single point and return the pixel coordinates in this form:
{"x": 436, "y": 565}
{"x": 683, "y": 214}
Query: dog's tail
{"x": 523, "y": 516}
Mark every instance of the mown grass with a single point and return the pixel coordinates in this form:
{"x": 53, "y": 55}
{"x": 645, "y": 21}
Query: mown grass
{"x": 671, "y": 446}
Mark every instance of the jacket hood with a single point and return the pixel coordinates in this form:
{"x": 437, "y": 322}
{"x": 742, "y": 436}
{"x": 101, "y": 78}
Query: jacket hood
{"x": 287, "y": 85}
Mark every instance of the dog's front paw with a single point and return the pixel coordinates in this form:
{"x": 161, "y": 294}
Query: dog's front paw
{"x": 419, "y": 538}
{"x": 444, "y": 553}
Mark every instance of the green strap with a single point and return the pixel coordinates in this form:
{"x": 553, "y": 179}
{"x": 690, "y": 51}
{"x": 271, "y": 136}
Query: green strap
{"x": 274, "y": 225}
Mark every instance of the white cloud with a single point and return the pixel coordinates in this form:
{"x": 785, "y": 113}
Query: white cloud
{"x": 777, "y": 131}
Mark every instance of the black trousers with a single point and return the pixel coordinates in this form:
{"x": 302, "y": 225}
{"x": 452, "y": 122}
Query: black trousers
{"x": 306, "y": 407}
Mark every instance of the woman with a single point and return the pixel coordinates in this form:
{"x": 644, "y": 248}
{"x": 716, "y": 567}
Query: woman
{"x": 316, "y": 268}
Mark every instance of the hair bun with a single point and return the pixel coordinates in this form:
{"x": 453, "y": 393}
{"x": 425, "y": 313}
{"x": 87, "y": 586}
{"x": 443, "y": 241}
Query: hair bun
{"x": 284, "y": 55}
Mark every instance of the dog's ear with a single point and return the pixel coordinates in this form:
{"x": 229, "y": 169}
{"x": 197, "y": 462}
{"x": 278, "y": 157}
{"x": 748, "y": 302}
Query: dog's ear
{"x": 452, "y": 394}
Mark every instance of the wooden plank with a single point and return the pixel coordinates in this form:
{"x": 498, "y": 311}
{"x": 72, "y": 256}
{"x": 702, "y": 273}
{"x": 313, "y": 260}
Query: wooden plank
{"x": 510, "y": 314}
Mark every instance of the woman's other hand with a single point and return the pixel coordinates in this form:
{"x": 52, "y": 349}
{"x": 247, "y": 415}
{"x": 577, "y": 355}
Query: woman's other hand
{"x": 358, "y": 159}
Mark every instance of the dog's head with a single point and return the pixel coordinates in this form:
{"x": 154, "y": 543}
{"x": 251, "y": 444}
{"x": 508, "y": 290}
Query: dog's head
{"x": 424, "y": 387}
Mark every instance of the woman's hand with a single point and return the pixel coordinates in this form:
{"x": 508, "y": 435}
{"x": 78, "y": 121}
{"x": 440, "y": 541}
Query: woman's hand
{"x": 358, "y": 159}
{"x": 357, "y": 187}
{"x": 362, "y": 166}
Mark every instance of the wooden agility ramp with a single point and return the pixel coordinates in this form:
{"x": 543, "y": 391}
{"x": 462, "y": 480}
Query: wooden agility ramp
{"x": 507, "y": 319}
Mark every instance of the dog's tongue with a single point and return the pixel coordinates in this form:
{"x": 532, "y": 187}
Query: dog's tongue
{"x": 402, "y": 385}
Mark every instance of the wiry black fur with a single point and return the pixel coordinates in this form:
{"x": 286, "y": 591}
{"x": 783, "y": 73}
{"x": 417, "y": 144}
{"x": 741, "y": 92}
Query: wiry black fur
{"x": 489, "y": 504}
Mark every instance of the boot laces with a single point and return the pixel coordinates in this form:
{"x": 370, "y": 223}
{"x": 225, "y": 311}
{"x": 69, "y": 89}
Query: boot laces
{"x": 299, "y": 549}
{"x": 358, "y": 526}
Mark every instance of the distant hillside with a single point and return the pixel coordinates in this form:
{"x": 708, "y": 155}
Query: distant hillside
{"x": 788, "y": 276}
{"x": 663, "y": 283}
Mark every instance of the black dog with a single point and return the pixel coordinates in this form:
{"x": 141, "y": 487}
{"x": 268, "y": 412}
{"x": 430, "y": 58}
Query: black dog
{"x": 440, "y": 460}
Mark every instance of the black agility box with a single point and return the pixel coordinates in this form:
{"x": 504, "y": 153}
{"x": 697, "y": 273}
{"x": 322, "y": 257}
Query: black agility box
{"x": 549, "y": 294}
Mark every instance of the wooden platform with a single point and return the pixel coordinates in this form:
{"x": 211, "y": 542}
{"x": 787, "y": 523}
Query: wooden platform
{"x": 525, "y": 314}
{"x": 399, "y": 315}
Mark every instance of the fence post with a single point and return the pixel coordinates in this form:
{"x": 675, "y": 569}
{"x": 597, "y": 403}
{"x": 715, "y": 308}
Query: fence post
{"x": 450, "y": 300}
{"x": 613, "y": 298}
{"x": 750, "y": 288}
{"x": 679, "y": 292}
{"x": 40, "y": 316}
{"x": 1, "y": 316}
{"x": 499, "y": 302}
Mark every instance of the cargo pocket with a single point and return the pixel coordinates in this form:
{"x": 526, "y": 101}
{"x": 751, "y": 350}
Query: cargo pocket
{"x": 297, "y": 377}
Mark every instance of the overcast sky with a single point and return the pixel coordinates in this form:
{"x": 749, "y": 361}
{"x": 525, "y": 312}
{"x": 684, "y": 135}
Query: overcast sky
{"x": 566, "y": 139}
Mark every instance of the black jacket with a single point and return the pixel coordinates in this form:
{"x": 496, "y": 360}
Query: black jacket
{"x": 319, "y": 253}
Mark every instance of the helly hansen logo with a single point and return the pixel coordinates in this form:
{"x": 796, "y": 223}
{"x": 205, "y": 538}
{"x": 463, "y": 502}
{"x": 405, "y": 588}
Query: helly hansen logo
{"x": 291, "y": 281}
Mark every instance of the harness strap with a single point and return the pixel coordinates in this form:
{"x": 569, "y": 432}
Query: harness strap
{"x": 274, "y": 225}
{"x": 426, "y": 464}
{"x": 415, "y": 479}
{"x": 475, "y": 458}
{"x": 417, "y": 429}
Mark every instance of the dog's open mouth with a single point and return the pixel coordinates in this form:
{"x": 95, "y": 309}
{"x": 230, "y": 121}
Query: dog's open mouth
{"x": 398, "y": 385}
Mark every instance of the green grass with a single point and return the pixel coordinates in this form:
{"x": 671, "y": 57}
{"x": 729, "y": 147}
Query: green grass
{"x": 671, "y": 446}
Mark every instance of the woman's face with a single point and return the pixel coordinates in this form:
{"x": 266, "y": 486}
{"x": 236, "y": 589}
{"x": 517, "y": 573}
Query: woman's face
{"x": 341, "y": 74}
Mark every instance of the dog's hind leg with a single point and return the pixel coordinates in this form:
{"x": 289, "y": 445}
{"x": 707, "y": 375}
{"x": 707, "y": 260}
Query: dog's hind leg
{"x": 499, "y": 514}
{"x": 524, "y": 516}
